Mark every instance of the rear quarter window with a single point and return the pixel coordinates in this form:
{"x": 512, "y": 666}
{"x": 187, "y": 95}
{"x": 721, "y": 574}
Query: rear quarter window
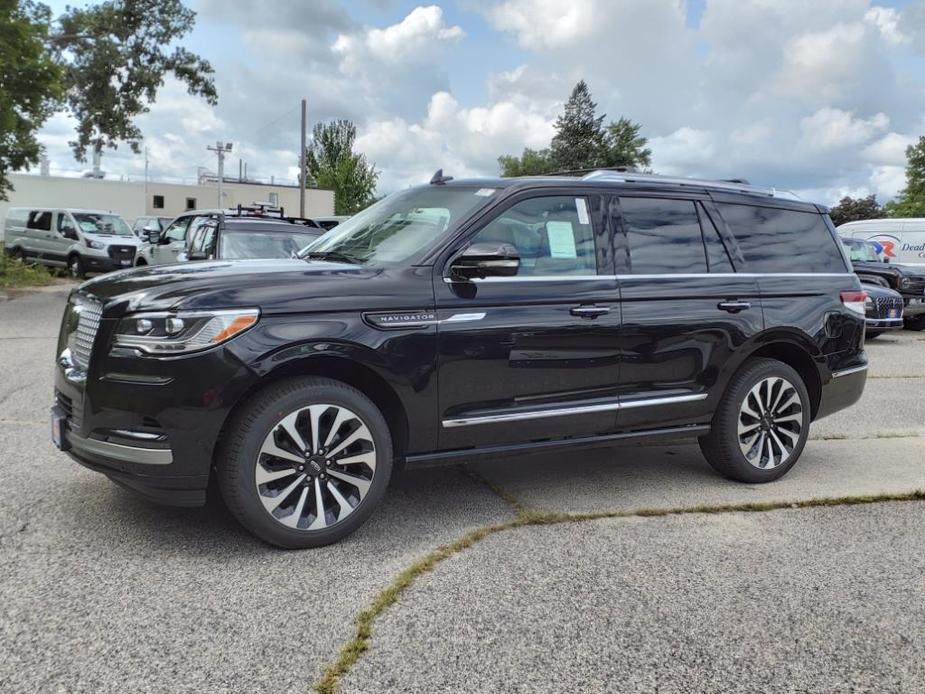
{"x": 783, "y": 241}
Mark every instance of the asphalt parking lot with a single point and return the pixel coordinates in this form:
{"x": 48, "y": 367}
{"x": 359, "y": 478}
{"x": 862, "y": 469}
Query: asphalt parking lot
{"x": 103, "y": 592}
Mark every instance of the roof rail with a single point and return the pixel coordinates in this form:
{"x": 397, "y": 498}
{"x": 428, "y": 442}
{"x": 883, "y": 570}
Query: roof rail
{"x": 735, "y": 185}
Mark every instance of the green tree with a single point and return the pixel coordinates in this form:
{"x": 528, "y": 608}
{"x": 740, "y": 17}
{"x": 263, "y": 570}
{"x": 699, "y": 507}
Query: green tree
{"x": 103, "y": 64}
{"x": 579, "y": 142}
{"x": 332, "y": 163}
{"x": 911, "y": 200}
{"x": 851, "y": 209}
{"x": 29, "y": 85}
{"x": 624, "y": 146}
{"x": 532, "y": 163}
{"x": 582, "y": 142}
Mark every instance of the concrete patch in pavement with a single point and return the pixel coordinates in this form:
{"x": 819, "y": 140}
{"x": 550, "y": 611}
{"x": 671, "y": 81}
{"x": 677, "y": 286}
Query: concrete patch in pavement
{"x": 632, "y": 477}
{"x": 104, "y": 592}
{"x": 827, "y": 599}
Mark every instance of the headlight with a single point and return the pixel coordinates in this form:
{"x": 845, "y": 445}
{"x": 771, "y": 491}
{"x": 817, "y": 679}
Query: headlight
{"x": 905, "y": 282}
{"x": 182, "y": 332}
{"x": 94, "y": 244}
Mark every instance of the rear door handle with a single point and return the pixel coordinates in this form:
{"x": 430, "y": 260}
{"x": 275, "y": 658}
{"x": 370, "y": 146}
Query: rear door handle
{"x": 589, "y": 311}
{"x": 734, "y": 306}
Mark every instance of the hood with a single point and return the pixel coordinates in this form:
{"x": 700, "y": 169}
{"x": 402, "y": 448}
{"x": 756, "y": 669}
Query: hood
{"x": 274, "y": 286}
{"x": 112, "y": 239}
{"x": 876, "y": 290}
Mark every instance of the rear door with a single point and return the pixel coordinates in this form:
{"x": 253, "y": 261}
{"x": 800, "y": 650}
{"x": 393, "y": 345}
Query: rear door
{"x": 685, "y": 309}
{"x": 534, "y": 356}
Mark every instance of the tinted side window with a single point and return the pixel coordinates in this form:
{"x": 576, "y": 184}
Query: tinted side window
{"x": 552, "y": 235}
{"x": 783, "y": 241}
{"x": 40, "y": 220}
{"x": 664, "y": 236}
{"x": 717, "y": 256}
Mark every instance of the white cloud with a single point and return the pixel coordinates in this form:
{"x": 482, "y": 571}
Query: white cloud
{"x": 830, "y": 128}
{"x": 890, "y": 149}
{"x": 888, "y": 22}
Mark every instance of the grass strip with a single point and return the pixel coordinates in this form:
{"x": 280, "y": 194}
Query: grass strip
{"x": 353, "y": 649}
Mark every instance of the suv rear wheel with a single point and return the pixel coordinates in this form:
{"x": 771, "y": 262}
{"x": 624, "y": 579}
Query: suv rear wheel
{"x": 761, "y": 425}
{"x": 305, "y": 462}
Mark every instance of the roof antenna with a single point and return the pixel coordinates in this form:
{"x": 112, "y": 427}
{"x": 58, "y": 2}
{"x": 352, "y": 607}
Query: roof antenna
{"x": 439, "y": 179}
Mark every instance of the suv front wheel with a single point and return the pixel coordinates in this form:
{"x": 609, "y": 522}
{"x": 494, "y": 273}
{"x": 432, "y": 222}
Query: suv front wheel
{"x": 305, "y": 462}
{"x": 761, "y": 425}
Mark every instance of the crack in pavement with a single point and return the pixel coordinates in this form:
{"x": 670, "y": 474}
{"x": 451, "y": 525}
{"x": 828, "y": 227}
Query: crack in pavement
{"x": 352, "y": 651}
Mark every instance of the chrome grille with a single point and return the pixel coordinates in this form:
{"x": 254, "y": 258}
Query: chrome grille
{"x": 88, "y": 322}
{"x": 883, "y": 304}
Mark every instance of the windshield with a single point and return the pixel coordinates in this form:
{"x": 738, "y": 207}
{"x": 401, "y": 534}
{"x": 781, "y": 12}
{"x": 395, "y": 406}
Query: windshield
{"x": 237, "y": 245}
{"x": 399, "y": 228}
{"x": 861, "y": 251}
{"x": 93, "y": 223}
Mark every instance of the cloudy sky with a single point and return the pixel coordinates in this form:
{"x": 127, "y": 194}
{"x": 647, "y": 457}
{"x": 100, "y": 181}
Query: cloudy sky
{"x": 821, "y": 96}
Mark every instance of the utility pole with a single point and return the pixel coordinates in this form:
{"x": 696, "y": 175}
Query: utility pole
{"x": 302, "y": 167}
{"x": 221, "y": 149}
{"x": 146, "y": 180}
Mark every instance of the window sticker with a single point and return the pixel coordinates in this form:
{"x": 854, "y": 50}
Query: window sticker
{"x": 561, "y": 240}
{"x": 485, "y": 192}
{"x": 581, "y": 206}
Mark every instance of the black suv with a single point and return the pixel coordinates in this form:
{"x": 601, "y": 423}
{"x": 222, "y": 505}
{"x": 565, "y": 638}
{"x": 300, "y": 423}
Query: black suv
{"x": 464, "y": 319}
{"x": 908, "y": 281}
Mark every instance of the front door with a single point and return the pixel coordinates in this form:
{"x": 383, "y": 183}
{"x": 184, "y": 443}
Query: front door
{"x": 685, "y": 309}
{"x": 172, "y": 242}
{"x": 534, "y": 356}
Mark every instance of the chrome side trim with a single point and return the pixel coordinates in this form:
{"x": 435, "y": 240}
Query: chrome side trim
{"x": 463, "y": 317}
{"x": 569, "y": 411}
{"x": 848, "y": 372}
{"x": 118, "y": 451}
{"x": 670, "y": 400}
{"x": 682, "y": 276}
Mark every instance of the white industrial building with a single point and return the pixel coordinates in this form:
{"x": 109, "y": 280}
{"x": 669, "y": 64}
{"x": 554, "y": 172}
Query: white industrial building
{"x": 133, "y": 199}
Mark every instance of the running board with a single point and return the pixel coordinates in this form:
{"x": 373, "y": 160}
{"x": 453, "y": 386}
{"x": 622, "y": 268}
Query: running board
{"x": 466, "y": 454}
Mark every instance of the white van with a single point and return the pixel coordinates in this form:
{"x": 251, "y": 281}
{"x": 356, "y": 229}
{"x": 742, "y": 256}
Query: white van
{"x": 81, "y": 240}
{"x": 897, "y": 240}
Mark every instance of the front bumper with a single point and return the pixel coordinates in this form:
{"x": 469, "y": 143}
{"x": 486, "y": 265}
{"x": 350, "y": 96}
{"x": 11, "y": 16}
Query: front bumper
{"x": 100, "y": 263}
{"x": 884, "y": 323}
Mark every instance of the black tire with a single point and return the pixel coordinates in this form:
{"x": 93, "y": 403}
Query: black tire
{"x": 75, "y": 267}
{"x": 872, "y": 334}
{"x": 141, "y": 262}
{"x": 17, "y": 254}
{"x": 262, "y": 417}
{"x": 721, "y": 447}
{"x": 916, "y": 323}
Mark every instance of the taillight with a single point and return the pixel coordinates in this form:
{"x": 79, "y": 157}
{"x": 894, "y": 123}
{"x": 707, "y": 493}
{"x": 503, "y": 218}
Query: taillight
{"x": 854, "y": 301}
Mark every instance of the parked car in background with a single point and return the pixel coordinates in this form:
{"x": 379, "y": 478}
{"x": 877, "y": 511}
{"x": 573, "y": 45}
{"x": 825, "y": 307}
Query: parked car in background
{"x": 167, "y": 246}
{"x": 144, "y": 224}
{"x": 241, "y": 238}
{"x": 883, "y": 310}
{"x": 81, "y": 240}
{"x": 897, "y": 240}
{"x": 908, "y": 281}
{"x": 331, "y": 221}
{"x": 465, "y": 320}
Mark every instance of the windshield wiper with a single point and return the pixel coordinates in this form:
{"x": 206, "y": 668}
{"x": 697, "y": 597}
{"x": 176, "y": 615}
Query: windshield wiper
{"x": 335, "y": 256}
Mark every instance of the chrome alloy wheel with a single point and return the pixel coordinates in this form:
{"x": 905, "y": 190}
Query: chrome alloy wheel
{"x": 315, "y": 467}
{"x": 770, "y": 423}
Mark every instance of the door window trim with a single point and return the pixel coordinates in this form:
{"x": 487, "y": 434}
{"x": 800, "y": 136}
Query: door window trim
{"x": 600, "y": 227}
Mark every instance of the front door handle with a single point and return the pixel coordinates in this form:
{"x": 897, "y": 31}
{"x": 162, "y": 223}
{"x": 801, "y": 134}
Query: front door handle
{"x": 734, "y": 306}
{"x": 589, "y": 311}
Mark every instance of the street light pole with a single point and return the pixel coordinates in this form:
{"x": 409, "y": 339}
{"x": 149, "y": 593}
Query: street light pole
{"x": 302, "y": 166}
{"x": 221, "y": 149}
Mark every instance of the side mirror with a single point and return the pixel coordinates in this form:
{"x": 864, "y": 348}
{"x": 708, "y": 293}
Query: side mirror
{"x": 69, "y": 233}
{"x": 486, "y": 259}
{"x": 152, "y": 235}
